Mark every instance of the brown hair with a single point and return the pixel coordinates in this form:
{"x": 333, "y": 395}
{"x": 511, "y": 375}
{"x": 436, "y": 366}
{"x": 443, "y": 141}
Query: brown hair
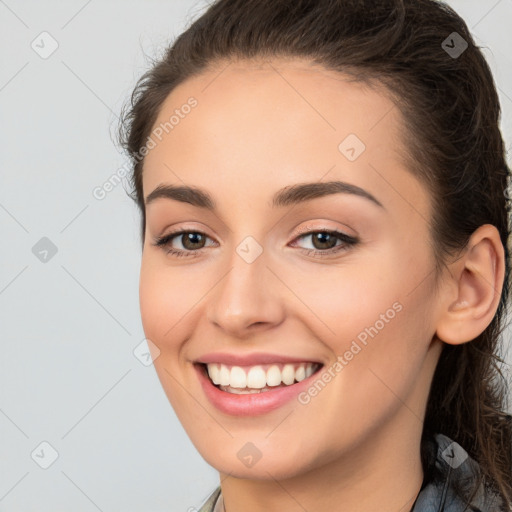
{"x": 451, "y": 117}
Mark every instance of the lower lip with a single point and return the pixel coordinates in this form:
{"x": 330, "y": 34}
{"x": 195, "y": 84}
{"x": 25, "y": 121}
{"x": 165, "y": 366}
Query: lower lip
{"x": 250, "y": 404}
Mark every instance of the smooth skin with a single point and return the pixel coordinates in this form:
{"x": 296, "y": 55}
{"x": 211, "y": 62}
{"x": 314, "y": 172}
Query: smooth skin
{"x": 260, "y": 126}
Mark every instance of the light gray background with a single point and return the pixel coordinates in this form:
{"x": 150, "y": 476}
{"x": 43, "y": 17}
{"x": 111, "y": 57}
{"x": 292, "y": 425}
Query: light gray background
{"x": 68, "y": 374}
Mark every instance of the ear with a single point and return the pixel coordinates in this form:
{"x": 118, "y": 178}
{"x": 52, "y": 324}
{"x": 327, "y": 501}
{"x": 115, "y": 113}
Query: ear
{"x": 472, "y": 295}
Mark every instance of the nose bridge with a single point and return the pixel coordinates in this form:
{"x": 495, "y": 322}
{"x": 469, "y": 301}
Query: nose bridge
{"x": 245, "y": 294}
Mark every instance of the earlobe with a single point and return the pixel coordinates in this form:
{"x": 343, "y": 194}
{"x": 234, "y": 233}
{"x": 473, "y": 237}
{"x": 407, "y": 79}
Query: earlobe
{"x": 472, "y": 298}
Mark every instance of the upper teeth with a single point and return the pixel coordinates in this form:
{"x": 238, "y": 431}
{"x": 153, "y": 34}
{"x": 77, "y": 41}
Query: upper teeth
{"x": 259, "y": 376}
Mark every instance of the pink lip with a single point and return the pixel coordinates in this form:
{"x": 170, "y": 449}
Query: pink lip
{"x": 251, "y": 359}
{"x": 250, "y": 404}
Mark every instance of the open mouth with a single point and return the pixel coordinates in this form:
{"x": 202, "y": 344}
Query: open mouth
{"x": 242, "y": 380}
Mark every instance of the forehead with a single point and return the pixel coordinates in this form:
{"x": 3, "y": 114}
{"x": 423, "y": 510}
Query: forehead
{"x": 274, "y": 122}
{"x": 283, "y": 92}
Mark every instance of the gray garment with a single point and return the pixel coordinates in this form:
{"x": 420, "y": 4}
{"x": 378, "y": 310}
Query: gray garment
{"x": 447, "y": 465}
{"x": 214, "y": 499}
{"x": 452, "y": 465}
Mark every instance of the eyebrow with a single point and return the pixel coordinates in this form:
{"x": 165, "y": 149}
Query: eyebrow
{"x": 291, "y": 195}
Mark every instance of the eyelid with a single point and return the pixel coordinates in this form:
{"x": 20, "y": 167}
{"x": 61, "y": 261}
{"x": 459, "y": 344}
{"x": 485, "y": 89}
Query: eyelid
{"x": 315, "y": 228}
{"x": 307, "y": 229}
{"x": 345, "y": 239}
{"x": 183, "y": 228}
{"x": 347, "y": 242}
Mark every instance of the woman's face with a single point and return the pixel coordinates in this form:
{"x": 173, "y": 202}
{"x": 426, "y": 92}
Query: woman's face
{"x": 287, "y": 154}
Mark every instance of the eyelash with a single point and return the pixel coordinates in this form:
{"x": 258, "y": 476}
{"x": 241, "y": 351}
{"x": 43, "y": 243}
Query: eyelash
{"x": 348, "y": 241}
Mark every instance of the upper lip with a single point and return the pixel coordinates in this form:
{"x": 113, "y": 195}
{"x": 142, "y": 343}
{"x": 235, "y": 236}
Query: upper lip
{"x": 250, "y": 359}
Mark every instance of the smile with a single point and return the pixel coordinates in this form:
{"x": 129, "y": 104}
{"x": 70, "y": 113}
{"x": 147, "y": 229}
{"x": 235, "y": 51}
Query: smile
{"x": 258, "y": 378}
{"x": 249, "y": 390}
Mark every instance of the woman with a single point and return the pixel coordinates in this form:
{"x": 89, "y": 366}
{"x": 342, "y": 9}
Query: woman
{"x": 325, "y": 267}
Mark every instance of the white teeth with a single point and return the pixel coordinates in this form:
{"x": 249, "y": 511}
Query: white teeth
{"x": 224, "y": 376}
{"x": 245, "y": 391}
{"x": 254, "y": 379}
{"x": 300, "y": 373}
{"x": 214, "y": 372}
{"x": 288, "y": 374}
{"x": 274, "y": 376}
{"x": 238, "y": 378}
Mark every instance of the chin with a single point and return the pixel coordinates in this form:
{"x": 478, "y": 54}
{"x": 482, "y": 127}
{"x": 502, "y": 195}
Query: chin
{"x": 246, "y": 462}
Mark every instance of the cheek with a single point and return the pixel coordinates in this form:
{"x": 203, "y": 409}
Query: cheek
{"x": 377, "y": 368}
{"x": 376, "y": 319}
{"x": 341, "y": 303}
{"x": 165, "y": 297}
{"x": 156, "y": 304}
{"x": 164, "y": 301}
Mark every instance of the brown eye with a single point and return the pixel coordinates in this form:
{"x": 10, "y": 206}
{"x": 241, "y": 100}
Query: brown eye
{"x": 192, "y": 240}
{"x": 325, "y": 242}
{"x": 191, "y": 243}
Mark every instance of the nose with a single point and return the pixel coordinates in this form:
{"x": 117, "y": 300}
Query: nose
{"x": 247, "y": 298}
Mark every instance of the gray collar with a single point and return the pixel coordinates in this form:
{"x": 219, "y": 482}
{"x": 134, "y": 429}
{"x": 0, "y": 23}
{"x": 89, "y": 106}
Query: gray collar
{"x": 450, "y": 485}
